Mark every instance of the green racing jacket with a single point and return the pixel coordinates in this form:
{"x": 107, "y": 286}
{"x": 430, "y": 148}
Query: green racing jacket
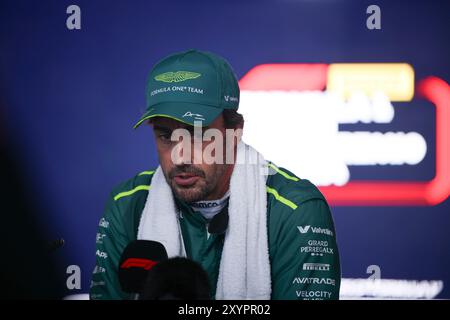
{"x": 303, "y": 252}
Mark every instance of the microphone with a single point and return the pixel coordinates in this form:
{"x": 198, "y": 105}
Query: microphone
{"x": 219, "y": 223}
{"x": 55, "y": 244}
{"x": 137, "y": 259}
{"x": 176, "y": 279}
{"x": 145, "y": 269}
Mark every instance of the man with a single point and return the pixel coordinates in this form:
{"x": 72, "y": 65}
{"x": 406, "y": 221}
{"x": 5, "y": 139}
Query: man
{"x": 259, "y": 231}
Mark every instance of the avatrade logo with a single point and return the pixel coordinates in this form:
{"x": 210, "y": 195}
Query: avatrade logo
{"x": 327, "y": 281}
{"x": 305, "y": 229}
{"x": 314, "y": 101}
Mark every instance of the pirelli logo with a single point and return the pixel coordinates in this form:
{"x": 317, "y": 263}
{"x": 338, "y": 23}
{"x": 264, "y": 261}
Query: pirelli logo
{"x": 316, "y": 266}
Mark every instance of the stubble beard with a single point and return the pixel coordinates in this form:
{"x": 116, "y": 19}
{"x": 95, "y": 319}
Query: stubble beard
{"x": 200, "y": 190}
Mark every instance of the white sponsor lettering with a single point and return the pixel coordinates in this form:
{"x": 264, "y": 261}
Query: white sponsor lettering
{"x": 99, "y": 238}
{"x": 309, "y": 249}
{"x": 99, "y": 269}
{"x": 195, "y": 90}
{"x": 327, "y": 281}
{"x": 195, "y": 115}
{"x": 160, "y": 90}
{"x": 179, "y": 88}
{"x": 317, "y": 247}
{"x": 97, "y": 283}
{"x": 305, "y": 229}
{"x": 103, "y": 223}
{"x": 176, "y": 89}
{"x": 314, "y": 294}
{"x": 318, "y": 243}
{"x": 101, "y": 254}
{"x": 328, "y": 232}
{"x": 229, "y": 98}
{"x": 316, "y": 266}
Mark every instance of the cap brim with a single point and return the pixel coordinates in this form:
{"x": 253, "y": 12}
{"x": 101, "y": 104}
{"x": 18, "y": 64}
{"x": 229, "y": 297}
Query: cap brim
{"x": 184, "y": 112}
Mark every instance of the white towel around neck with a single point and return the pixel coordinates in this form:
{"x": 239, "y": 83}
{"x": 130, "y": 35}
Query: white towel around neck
{"x": 244, "y": 271}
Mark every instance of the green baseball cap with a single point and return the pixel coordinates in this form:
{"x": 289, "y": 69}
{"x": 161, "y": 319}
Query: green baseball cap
{"x": 191, "y": 86}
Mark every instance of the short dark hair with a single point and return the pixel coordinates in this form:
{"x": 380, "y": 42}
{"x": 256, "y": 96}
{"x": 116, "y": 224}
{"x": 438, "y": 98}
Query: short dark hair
{"x": 232, "y": 118}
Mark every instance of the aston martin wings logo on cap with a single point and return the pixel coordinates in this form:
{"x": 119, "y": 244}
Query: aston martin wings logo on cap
{"x": 177, "y": 76}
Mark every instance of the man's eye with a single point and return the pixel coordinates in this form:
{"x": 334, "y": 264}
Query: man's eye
{"x": 165, "y": 137}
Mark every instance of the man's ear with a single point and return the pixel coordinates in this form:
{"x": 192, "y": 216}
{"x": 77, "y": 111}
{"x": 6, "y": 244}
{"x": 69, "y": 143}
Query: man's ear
{"x": 241, "y": 125}
{"x": 239, "y": 129}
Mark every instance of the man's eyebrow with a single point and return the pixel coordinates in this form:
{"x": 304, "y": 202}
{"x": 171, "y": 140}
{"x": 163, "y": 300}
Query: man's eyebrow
{"x": 169, "y": 130}
{"x": 161, "y": 128}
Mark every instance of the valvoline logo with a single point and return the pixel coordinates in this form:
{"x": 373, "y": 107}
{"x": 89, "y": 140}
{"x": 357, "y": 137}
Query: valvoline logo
{"x": 304, "y": 104}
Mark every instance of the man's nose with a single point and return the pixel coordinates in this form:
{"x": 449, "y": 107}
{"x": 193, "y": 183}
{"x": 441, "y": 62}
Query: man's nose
{"x": 187, "y": 152}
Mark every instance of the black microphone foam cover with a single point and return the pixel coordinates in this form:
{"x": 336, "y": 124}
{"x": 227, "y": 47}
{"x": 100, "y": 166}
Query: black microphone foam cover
{"x": 137, "y": 259}
{"x": 176, "y": 279}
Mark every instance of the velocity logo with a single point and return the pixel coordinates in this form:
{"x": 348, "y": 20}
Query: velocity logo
{"x": 178, "y": 76}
